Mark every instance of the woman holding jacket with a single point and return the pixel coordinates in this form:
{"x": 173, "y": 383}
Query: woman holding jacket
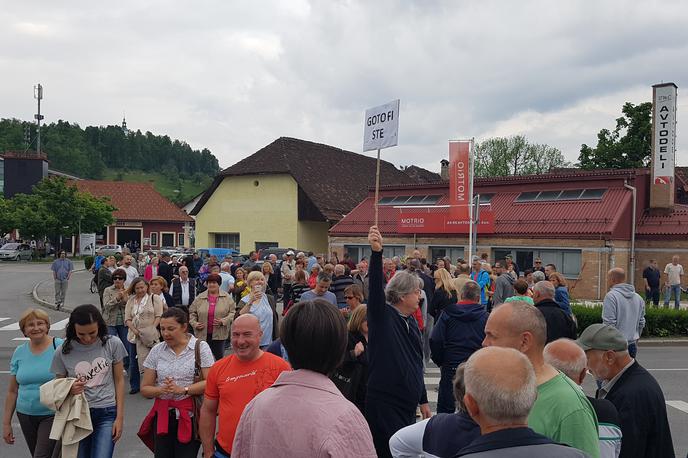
{"x": 142, "y": 316}
{"x": 458, "y": 332}
{"x": 29, "y": 368}
{"x": 211, "y": 315}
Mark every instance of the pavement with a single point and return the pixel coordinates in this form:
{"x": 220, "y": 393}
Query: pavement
{"x": 666, "y": 359}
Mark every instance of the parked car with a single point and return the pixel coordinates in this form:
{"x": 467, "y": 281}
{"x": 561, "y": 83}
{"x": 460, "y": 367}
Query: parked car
{"x": 220, "y": 253}
{"x": 16, "y": 251}
{"x": 111, "y": 250}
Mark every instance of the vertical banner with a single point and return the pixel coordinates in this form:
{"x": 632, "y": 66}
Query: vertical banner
{"x": 459, "y": 179}
{"x": 664, "y": 133}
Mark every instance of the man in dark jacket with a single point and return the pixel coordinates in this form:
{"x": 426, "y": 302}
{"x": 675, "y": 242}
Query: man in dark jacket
{"x": 635, "y": 393}
{"x": 568, "y": 357}
{"x": 104, "y": 277}
{"x": 504, "y": 285}
{"x": 559, "y": 324}
{"x": 164, "y": 268}
{"x": 458, "y": 333}
{"x": 395, "y": 354}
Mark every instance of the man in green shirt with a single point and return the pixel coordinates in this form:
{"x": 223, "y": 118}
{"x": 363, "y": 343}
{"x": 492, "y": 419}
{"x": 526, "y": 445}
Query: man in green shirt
{"x": 561, "y": 411}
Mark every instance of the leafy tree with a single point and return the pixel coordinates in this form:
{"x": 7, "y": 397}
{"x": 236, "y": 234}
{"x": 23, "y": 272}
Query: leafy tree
{"x": 504, "y": 156}
{"x": 89, "y": 152}
{"x": 8, "y": 221}
{"x": 56, "y": 207}
{"x": 627, "y": 146}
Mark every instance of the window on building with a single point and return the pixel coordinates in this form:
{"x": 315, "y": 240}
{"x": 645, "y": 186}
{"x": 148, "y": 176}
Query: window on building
{"x": 167, "y": 239}
{"x": 453, "y": 252}
{"x": 180, "y": 239}
{"x": 358, "y": 252}
{"x": 527, "y": 196}
{"x": 224, "y": 240}
{"x": 593, "y": 194}
{"x": 568, "y": 262}
{"x": 569, "y": 194}
{"x": 154, "y": 239}
{"x": 486, "y": 198}
{"x": 409, "y": 200}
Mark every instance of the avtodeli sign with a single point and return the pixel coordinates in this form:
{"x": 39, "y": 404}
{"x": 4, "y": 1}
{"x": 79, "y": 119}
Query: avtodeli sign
{"x": 663, "y": 133}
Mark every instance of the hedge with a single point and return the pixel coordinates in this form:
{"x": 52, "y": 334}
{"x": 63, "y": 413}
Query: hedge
{"x": 88, "y": 262}
{"x": 659, "y": 322}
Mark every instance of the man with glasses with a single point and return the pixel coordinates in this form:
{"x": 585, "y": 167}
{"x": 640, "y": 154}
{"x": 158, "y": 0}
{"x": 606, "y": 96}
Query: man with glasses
{"x": 538, "y": 265}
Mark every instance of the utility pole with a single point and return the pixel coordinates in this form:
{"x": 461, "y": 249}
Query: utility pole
{"x": 38, "y": 95}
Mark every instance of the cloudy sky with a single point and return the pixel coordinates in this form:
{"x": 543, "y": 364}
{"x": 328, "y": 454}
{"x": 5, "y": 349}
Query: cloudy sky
{"x": 234, "y": 75}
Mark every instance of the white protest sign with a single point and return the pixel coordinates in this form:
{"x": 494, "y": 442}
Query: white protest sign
{"x": 87, "y": 244}
{"x": 381, "y": 126}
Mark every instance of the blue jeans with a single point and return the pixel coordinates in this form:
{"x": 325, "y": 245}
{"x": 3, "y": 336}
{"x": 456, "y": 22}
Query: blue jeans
{"x": 675, "y": 291}
{"x": 99, "y": 444}
{"x": 134, "y": 376}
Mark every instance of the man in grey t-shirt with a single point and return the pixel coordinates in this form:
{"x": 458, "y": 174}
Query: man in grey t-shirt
{"x": 62, "y": 269}
{"x": 321, "y": 290}
{"x": 93, "y": 365}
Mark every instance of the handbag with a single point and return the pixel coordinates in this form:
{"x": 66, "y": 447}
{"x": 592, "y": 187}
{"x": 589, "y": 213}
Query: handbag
{"x": 198, "y": 399}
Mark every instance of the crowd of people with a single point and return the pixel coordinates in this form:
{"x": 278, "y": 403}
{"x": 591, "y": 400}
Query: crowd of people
{"x": 339, "y": 370}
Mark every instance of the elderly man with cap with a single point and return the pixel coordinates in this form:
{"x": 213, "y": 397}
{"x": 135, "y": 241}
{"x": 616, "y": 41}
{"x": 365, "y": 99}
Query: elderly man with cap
{"x": 288, "y": 270}
{"x": 561, "y": 412}
{"x": 635, "y": 393}
{"x": 568, "y": 357}
{"x": 501, "y": 405}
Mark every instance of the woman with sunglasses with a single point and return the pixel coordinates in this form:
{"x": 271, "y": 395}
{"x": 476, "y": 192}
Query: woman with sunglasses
{"x": 115, "y": 299}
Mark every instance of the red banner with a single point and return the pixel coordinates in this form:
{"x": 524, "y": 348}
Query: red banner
{"x": 459, "y": 180}
{"x": 440, "y": 221}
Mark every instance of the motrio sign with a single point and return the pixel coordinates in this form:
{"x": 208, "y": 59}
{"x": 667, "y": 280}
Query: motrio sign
{"x": 460, "y": 179}
{"x": 440, "y": 221}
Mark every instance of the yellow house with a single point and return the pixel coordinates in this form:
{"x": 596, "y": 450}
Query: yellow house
{"x": 288, "y": 194}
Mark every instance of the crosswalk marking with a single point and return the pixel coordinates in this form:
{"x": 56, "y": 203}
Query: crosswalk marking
{"x": 59, "y": 326}
{"x": 680, "y": 405}
{"x": 3, "y": 319}
{"x": 10, "y": 327}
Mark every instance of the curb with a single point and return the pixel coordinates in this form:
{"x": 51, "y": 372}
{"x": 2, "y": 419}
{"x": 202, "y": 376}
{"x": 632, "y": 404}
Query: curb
{"x": 46, "y": 304}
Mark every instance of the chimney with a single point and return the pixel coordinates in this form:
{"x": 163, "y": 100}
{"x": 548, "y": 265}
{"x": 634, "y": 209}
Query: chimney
{"x": 663, "y": 146}
{"x": 444, "y": 169}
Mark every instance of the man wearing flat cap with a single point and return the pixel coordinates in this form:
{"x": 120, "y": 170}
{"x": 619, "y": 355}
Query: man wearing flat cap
{"x": 633, "y": 391}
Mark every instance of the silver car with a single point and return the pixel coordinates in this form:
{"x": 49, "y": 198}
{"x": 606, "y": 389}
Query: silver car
{"x": 110, "y": 250}
{"x": 16, "y": 251}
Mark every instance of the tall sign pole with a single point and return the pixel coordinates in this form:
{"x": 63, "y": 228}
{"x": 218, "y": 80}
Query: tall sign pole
{"x": 381, "y": 130}
{"x": 38, "y": 95}
{"x": 471, "y": 218}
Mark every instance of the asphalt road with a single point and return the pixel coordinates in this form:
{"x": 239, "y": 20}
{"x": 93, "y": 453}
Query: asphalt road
{"x": 669, "y": 365}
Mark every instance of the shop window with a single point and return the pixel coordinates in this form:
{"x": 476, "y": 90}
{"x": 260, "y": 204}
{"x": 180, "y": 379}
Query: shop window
{"x": 358, "y": 252}
{"x": 180, "y": 239}
{"x": 453, "y": 252}
{"x": 568, "y": 262}
{"x": 154, "y": 239}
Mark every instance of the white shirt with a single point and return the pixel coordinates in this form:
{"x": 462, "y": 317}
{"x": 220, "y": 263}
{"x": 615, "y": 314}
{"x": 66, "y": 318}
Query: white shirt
{"x": 408, "y": 441}
{"x": 132, "y": 274}
{"x": 674, "y": 273}
{"x": 185, "y": 291}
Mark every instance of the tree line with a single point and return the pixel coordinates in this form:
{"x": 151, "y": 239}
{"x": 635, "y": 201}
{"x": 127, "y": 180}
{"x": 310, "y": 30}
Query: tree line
{"x": 89, "y": 152}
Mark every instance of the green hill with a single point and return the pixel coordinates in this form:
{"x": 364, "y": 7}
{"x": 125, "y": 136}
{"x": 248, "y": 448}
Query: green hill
{"x": 178, "y": 190}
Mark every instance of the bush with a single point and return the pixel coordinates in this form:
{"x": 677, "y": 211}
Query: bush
{"x": 88, "y": 262}
{"x": 659, "y": 322}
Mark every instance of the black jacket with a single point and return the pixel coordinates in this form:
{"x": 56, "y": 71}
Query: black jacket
{"x": 352, "y": 376}
{"x": 559, "y": 324}
{"x": 177, "y": 291}
{"x": 458, "y": 332}
{"x": 440, "y": 300}
{"x": 165, "y": 271}
{"x": 395, "y": 350}
{"x": 644, "y": 424}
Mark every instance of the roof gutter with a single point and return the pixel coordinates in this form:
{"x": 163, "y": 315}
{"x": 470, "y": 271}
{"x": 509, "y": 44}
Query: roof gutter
{"x": 634, "y": 191}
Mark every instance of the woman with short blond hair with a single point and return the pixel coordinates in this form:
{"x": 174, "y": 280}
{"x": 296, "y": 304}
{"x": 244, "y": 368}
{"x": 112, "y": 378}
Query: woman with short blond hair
{"x": 259, "y": 303}
{"x": 29, "y": 369}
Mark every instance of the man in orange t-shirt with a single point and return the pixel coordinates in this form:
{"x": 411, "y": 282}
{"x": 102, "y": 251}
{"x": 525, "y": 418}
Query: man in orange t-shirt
{"x": 233, "y": 382}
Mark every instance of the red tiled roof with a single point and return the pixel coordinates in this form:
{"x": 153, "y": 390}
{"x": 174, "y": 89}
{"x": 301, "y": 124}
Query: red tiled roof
{"x": 525, "y": 219}
{"x": 674, "y": 224}
{"x": 134, "y": 201}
